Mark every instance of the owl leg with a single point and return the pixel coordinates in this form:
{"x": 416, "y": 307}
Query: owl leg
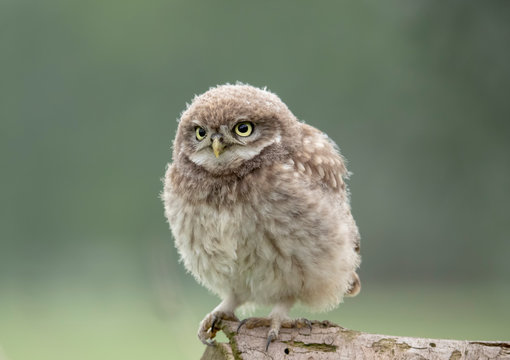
{"x": 224, "y": 311}
{"x": 278, "y": 318}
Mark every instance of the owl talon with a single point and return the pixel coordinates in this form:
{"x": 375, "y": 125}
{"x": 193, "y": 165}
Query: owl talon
{"x": 214, "y": 323}
{"x": 270, "y": 337}
{"x": 255, "y": 322}
{"x": 241, "y": 323}
{"x": 211, "y": 325}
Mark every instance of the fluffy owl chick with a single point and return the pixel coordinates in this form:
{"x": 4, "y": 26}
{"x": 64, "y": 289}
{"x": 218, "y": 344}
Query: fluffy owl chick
{"x": 258, "y": 207}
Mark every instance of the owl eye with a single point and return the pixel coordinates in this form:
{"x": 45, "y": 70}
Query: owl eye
{"x": 200, "y": 132}
{"x": 244, "y": 128}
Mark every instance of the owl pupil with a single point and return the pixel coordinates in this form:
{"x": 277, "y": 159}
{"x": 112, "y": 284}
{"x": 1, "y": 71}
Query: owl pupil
{"x": 243, "y": 128}
{"x": 201, "y": 132}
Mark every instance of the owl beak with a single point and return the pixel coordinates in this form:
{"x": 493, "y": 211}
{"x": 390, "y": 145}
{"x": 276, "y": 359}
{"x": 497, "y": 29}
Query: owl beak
{"x": 217, "y": 146}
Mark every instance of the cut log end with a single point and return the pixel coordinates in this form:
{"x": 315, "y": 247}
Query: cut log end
{"x": 329, "y": 341}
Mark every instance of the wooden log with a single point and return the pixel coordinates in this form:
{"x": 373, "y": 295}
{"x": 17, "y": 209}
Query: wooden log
{"x": 330, "y": 341}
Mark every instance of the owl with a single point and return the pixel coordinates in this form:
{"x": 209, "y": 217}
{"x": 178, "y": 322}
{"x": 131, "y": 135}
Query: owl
{"x": 259, "y": 209}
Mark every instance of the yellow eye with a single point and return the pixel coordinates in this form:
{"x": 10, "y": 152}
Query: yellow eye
{"x": 200, "y": 132}
{"x": 244, "y": 128}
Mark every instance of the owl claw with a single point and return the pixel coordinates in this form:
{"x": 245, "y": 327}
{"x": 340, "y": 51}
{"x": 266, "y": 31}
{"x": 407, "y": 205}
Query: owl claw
{"x": 251, "y": 323}
{"x": 254, "y": 322}
{"x": 214, "y": 323}
{"x": 210, "y": 326}
{"x": 270, "y": 337}
{"x": 241, "y": 323}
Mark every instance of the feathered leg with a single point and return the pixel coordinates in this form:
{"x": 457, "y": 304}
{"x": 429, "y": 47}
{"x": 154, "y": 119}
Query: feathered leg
{"x": 278, "y": 318}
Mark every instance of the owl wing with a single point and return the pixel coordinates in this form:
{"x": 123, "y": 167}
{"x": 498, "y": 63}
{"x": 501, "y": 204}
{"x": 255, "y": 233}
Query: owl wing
{"x": 320, "y": 158}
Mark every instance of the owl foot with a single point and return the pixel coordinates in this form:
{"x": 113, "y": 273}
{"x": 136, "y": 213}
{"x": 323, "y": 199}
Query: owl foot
{"x": 275, "y": 324}
{"x": 209, "y": 326}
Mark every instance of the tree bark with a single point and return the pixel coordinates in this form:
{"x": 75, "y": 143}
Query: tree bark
{"x": 329, "y": 341}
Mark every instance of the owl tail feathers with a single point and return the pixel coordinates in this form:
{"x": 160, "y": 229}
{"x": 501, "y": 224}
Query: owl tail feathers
{"x": 355, "y": 287}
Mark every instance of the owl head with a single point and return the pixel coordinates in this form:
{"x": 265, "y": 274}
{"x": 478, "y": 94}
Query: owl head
{"x": 234, "y": 126}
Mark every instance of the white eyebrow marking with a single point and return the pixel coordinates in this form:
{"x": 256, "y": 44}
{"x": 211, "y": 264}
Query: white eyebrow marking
{"x": 197, "y": 122}
{"x": 241, "y": 118}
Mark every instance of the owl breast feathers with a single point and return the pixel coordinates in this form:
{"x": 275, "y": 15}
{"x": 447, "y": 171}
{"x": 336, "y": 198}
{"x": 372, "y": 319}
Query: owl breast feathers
{"x": 257, "y": 203}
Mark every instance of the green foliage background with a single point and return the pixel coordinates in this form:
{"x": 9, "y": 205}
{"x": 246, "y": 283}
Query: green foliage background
{"x": 416, "y": 94}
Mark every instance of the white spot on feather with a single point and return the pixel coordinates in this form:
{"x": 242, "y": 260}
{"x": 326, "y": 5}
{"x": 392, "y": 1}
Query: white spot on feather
{"x": 333, "y": 181}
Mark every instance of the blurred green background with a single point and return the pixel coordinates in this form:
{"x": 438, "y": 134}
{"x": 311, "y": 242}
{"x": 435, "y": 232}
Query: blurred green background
{"x": 416, "y": 94}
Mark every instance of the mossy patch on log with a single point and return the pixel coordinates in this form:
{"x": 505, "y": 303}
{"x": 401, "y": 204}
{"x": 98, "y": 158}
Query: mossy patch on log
{"x": 312, "y": 346}
{"x": 389, "y": 345}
